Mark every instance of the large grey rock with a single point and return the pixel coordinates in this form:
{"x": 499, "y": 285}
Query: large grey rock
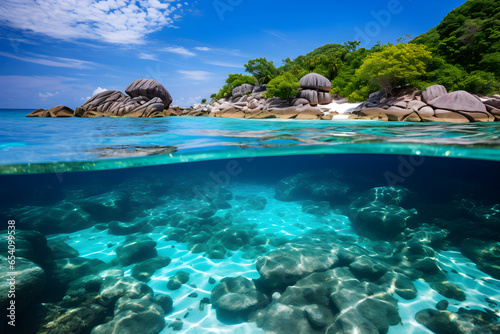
{"x": 149, "y": 88}
{"x": 458, "y": 101}
{"x": 259, "y": 88}
{"x": 310, "y": 95}
{"x": 324, "y": 98}
{"x": 315, "y": 81}
{"x": 242, "y": 90}
{"x": 110, "y": 100}
{"x": 493, "y": 102}
{"x": 300, "y": 102}
{"x": 432, "y": 92}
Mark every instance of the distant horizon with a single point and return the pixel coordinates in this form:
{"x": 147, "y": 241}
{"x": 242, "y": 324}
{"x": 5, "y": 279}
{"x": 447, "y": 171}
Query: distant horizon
{"x": 189, "y": 47}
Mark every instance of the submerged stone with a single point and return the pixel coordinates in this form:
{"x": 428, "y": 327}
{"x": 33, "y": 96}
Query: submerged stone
{"x": 136, "y": 249}
{"x": 235, "y": 298}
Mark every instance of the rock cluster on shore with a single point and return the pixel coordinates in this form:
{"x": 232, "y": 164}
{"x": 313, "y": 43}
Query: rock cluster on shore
{"x": 434, "y": 104}
{"x": 247, "y": 101}
{"x": 148, "y": 98}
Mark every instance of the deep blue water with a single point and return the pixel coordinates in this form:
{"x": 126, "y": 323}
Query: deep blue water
{"x": 334, "y": 227}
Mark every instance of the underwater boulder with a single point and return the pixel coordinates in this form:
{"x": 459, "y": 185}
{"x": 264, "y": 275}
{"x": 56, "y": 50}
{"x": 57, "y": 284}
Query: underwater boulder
{"x": 234, "y": 298}
{"x": 134, "y": 315}
{"x": 318, "y": 186}
{"x": 64, "y": 217}
{"x": 286, "y": 265}
{"x": 175, "y": 282}
{"x": 58, "y": 249}
{"x": 332, "y": 301}
{"x": 145, "y": 269}
{"x": 29, "y": 282}
{"x": 379, "y": 212}
{"x": 136, "y": 249}
{"x": 461, "y": 322}
{"x": 485, "y": 253}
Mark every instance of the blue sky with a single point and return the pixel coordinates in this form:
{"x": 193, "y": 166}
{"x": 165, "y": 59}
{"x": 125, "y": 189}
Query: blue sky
{"x": 63, "y": 51}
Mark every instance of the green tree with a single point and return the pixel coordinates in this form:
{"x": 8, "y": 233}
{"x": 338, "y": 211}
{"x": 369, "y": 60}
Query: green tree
{"x": 203, "y": 101}
{"x": 395, "y": 65}
{"x": 233, "y": 81}
{"x": 284, "y": 86}
{"x": 262, "y": 70}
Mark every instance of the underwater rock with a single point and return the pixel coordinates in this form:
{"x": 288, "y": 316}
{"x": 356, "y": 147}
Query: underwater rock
{"x": 145, "y": 269}
{"x": 332, "y": 301}
{"x": 175, "y": 282}
{"x": 121, "y": 228}
{"x": 378, "y": 212}
{"x": 319, "y": 186}
{"x": 462, "y": 322}
{"x": 136, "y": 249}
{"x": 31, "y": 245}
{"x": 166, "y": 302}
{"x": 134, "y": 315}
{"x": 73, "y": 320}
{"x": 442, "y": 305}
{"x": 366, "y": 268}
{"x": 449, "y": 290}
{"x": 110, "y": 206}
{"x": 401, "y": 284}
{"x": 255, "y": 203}
{"x": 70, "y": 269}
{"x": 65, "y": 217}
{"x": 235, "y": 298}
{"x": 485, "y": 253}
{"x": 28, "y": 284}
{"x": 285, "y": 266}
{"x": 58, "y": 249}
{"x": 116, "y": 287}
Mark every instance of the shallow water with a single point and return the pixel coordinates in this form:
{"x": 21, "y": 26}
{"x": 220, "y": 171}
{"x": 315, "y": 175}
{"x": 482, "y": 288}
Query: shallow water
{"x": 431, "y": 218}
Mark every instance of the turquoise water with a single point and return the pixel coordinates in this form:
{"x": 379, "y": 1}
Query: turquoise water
{"x": 203, "y": 225}
{"x": 78, "y": 144}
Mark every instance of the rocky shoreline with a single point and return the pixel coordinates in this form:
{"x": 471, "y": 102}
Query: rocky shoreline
{"x": 149, "y": 99}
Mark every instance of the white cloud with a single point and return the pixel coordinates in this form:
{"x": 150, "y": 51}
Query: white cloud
{"x": 180, "y": 50}
{"x": 98, "y": 90}
{"x": 196, "y": 75}
{"x": 202, "y": 48}
{"x": 51, "y": 61}
{"x": 112, "y": 21}
{"x": 224, "y": 64}
{"x": 147, "y": 56}
{"x": 95, "y": 92}
{"x": 48, "y": 94}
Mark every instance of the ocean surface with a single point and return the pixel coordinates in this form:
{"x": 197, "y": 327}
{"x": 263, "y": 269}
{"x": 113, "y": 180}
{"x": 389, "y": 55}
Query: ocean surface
{"x": 210, "y": 225}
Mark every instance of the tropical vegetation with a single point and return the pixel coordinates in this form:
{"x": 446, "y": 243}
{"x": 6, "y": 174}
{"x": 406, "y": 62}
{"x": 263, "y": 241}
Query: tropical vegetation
{"x": 461, "y": 53}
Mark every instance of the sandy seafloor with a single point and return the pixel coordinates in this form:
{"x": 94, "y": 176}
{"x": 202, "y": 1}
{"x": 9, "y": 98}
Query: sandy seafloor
{"x": 281, "y": 218}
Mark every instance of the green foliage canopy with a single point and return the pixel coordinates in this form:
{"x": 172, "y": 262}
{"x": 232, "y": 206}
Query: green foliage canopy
{"x": 284, "y": 86}
{"x": 395, "y": 65}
